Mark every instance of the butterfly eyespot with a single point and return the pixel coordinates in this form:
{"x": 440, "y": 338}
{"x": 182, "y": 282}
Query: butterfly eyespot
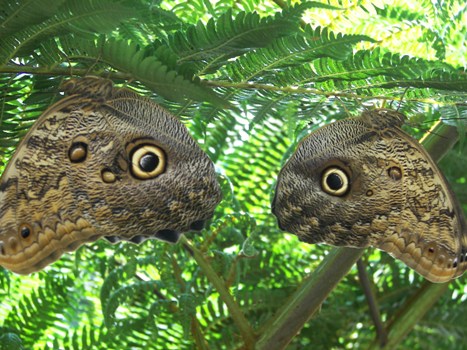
{"x": 108, "y": 176}
{"x": 25, "y": 231}
{"x": 395, "y": 173}
{"x": 78, "y": 152}
{"x": 335, "y": 181}
{"x": 147, "y": 161}
{"x": 369, "y": 193}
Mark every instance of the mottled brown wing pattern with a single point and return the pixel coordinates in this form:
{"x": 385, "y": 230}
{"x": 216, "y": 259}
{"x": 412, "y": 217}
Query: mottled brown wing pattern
{"x": 102, "y": 162}
{"x": 364, "y": 182}
{"x": 39, "y": 219}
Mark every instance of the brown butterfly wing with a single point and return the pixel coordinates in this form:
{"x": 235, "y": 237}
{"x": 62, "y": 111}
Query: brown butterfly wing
{"x": 124, "y": 206}
{"x": 432, "y": 235}
{"x": 396, "y": 198}
{"x": 74, "y": 177}
{"x": 39, "y": 218}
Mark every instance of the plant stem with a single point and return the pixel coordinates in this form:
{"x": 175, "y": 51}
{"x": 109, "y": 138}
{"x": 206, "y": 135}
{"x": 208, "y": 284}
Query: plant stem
{"x": 283, "y": 5}
{"x": 439, "y": 140}
{"x": 239, "y": 319}
{"x": 308, "y": 298}
{"x": 411, "y": 313}
{"x": 66, "y": 71}
{"x": 381, "y": 333}
{"x": 198, "y": 336}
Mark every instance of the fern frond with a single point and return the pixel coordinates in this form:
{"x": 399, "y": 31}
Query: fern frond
{"x": 437, "y": 324}
{"x": 219, "y": 134}
{"x": 153, "y": 66}
{"x": 442, "y": 79}
{"x": 123, "y": 294}
{"x": 154, "y": 73}
{"x": 16, "y": 15}
{"x": 227, "y": 37}
{"x": 371, "y": 70}
{"x": 252, "y": 175}
{"x": 79, "y": 17}
{"x": 399, "y": 13}
{"x": 292, "y": 51}
{"x": 153, "y": 23}
{"x": 16, "y": 118}
{"x": 85, "y": 338}
{"x": 427, "y": 19}
{"x": 9, "y": 340}
{"x": 113, "y": 280}
{"x": 45, "y": 303}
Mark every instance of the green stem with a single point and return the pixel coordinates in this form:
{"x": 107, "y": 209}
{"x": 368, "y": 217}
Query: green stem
{"x": 239, "y": 319}
{"x": 439, "y": 140}
{"x": 66, "y": 71}
{"x": 411, "y": 313}
{"x": 283, "y": 5}
{"x": 381, "y": 333}
{"x": 198, "y": 336}
{"x": 301, "y": 306}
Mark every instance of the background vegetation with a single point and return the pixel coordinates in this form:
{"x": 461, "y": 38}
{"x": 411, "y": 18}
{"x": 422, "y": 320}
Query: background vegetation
{"x": 249, "y": 78}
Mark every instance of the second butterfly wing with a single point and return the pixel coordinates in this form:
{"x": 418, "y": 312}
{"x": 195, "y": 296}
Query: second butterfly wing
{"x": 364, "y": 182}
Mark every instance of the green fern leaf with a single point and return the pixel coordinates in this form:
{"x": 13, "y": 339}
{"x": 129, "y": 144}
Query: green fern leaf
{"x": 127, "y": 292}
{"x": 449, "y": 80}
{"x": 16, "y": 15}
{"x": 81, "y": 17}
{"x": 372, "y": 70}
{"x": 150, "y": 66}
{"x": 292, "y": 51}
{"x": 44, "y": 304}
{"x": 246, "y": 171}
{"x": 154, "y": 73}
{"x": 226, "y": 37}
{"x": 10, "y": 341}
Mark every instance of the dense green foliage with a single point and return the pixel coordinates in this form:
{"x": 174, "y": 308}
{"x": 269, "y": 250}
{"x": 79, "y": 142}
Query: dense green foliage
{"x": 249, "y": 78}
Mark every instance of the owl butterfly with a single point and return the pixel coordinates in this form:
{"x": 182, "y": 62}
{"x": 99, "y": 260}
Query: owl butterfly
{"x": 102, "y": 162}
{"x": 364, "y": 182}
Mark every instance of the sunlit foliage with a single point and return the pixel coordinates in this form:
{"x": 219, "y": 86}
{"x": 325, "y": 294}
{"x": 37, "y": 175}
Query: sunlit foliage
{"x": 249, "y": 78}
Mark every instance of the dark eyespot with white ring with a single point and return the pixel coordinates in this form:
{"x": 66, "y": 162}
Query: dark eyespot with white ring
{"x": 335, "y": 181}
{"x": 147, "y": 161}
